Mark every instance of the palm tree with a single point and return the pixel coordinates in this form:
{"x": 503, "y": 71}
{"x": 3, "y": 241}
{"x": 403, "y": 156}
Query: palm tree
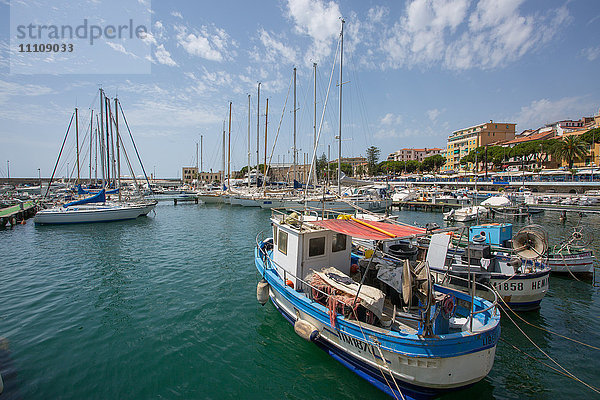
{"x": 570, "y": 149}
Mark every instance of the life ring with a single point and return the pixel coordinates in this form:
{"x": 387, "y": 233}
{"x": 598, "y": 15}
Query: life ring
{"x": 448, "y": 306}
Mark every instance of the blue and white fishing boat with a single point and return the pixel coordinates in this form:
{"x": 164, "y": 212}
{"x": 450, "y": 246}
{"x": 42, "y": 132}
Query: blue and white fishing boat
{"x": 398, "y": 330}
{"x": 520, "y": 282}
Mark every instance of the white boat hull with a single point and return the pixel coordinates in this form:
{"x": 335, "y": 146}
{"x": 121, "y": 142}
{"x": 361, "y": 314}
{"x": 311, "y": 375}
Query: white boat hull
{"x": 521, "y": 292}
{"x": 85, "y": 214}
{"x": 432, "y": 373}
{"x": 211, "y": 198}
{"x": 576, "y": 263}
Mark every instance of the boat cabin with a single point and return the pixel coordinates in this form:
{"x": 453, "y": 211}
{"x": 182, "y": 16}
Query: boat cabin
{"x": 300, "y": 249}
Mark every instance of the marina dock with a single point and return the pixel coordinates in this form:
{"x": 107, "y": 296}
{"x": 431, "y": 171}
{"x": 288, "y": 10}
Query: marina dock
{"x": 444, "y": 207}
{"x": 18, "y": 213}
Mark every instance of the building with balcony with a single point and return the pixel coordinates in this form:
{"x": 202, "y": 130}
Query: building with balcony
{"x": 462, "y": 141}
{"x": 413, "y": 154}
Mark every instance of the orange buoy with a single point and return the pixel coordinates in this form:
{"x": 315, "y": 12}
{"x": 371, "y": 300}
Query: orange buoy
{"x": 289, "y": 283}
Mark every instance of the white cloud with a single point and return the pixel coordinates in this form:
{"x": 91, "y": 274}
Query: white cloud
{"x": 433, "y": 114}
{"x": 319, "y": 20}
{"x": 163, "y": 56}
{"x": 10, "y": 89}
{"x": 275, "y": 50}
{"x": 390, "y": 119}
{"x": 591, "y": 53}
{"x": 463, "y": 34}
{"x": 177, "y": 14}
{"x": 210, "y": 46}
{"x": 544, "y": 111}
{"x": 120, "y": 48}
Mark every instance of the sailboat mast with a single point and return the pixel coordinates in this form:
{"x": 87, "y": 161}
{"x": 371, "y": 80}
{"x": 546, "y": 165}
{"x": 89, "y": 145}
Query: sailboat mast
{"x": 96, "y": 150}
{"x": 107, "y": 142}
{"x": 223, "y": 154}
{"x": 314, "y": 166}
{"x": 201, "y": 151}
{"x": 91, "y": 141}
{"x": 77, "y": 141}
{"x": 257, "y": 133}
{"x": 112, "y": 142}
{"x": 118, "y": 148}
{"x": 229, "y": 148}
{"x": 340, "y": 128}
{"x": 294, "y": 147}
{"x": 102, "y": 137}
{"x": 265, "y": 166}
{"x": 248, "y": 171}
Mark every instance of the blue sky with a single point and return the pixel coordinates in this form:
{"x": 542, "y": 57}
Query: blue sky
{"x": 414, "y": 71}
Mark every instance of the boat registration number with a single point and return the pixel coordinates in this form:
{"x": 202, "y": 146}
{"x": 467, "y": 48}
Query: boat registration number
{"x": 519, "y": 286}
{"x": 490, "y": 338}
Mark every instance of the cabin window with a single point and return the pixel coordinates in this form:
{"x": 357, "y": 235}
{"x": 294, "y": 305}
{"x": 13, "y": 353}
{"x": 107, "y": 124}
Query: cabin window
{"x": 282, "y": 242}
{"x": 275, "y": 235}
{"x": 316, "y": 246}
{"x": 339, "y": 242}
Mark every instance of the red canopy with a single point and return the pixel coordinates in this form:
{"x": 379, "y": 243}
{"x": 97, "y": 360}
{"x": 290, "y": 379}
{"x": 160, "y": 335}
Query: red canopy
{"x": 363, "y": 229}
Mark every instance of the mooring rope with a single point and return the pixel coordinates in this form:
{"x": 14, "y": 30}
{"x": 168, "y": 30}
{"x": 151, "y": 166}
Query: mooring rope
{"x": 571, "y": 375}
{"x": 547, "y": 330}
{"x": 373, "y": 343}
{"x": 533, "y": 358}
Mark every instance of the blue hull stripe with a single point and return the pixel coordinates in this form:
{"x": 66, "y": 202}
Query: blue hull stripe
{"x": 370, "y": 374}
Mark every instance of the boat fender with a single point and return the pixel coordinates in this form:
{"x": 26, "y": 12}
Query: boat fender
{"x": 289, "y": 283}
{"x": 354, "y": 268}
{"x": 262, "y": 292}
{"x": 306, "y": 330}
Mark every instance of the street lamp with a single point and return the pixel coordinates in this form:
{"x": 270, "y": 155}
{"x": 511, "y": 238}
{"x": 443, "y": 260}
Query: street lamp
{"x": 40, "y": 178}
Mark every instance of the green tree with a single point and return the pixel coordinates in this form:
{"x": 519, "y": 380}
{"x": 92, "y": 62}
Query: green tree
{"x": 433, "y": 163}
{"x": 360, "y": 170}
{"x": 321, "y": 166}
{"x": 412, "y": 166}
{"x": 571, "y": 149}
{"x": 372, "y": 158}
{"x": 346, "y": 169}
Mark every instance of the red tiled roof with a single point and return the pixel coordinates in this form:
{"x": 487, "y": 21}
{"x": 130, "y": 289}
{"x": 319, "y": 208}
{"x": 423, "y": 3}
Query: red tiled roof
{"x": 535, "y": 136}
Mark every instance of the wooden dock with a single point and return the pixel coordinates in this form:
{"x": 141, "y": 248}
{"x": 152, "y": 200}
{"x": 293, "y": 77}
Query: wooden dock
{"x": 16, "y": 214}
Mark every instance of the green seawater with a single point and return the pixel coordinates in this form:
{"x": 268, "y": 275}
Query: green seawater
{"x": 165, "y": 307}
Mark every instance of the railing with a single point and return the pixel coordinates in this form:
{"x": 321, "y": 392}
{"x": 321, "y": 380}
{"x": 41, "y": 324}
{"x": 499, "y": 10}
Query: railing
{"x": 268, "y": 261}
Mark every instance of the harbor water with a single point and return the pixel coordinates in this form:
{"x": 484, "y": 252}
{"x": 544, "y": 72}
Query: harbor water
{"x": 165, "y": 307}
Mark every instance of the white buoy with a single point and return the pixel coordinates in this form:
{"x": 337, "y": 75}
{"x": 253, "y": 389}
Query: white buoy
{"x": 306, "y": 330}
{"x": 262, "y": 292}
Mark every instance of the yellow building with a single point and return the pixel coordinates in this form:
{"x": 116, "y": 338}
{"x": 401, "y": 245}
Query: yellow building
{"x": 189, "y": 174}
{"x": 462, "y": 141}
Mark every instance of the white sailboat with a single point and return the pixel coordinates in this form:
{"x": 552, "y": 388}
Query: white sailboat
{"x": 97, "y": 208}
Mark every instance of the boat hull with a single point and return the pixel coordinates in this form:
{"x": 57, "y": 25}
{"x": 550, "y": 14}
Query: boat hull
{"x": 581, "y": 263}
{"x": 422, "y": 367}
{"x": 211, "y": 198}
{"x": 80, "y": 215}
{"x": 521, "y": 292}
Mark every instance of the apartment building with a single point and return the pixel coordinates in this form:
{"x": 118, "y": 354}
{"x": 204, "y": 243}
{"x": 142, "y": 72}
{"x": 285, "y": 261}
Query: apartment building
{"x": 462, "y": 141}
{"x": 413, "y": 154}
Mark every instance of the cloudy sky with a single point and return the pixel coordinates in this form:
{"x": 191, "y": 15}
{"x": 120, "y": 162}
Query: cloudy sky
{"x": 414, "y": 71}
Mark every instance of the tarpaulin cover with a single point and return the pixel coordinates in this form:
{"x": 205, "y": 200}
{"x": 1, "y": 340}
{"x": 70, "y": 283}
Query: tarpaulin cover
{"x": 363, "y": 231}
{"x": 97, "y": 198}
